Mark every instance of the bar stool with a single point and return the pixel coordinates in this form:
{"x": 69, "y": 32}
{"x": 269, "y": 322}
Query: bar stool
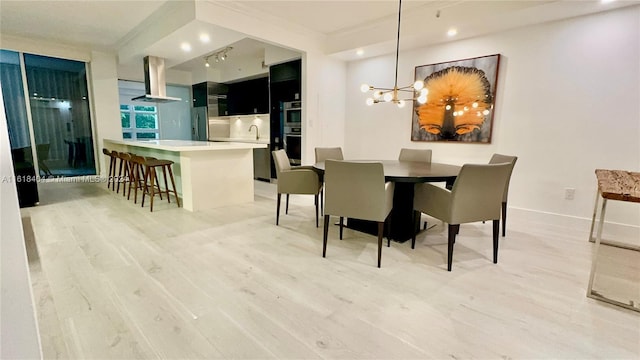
{"x": 137, "y": 177}
{"x": 124, "y": 163}
{"x": 156, "y": 177}
{"x": 150, "y": 175}
{"x": 125, "y": 160}
{"x": 112, "y": 167}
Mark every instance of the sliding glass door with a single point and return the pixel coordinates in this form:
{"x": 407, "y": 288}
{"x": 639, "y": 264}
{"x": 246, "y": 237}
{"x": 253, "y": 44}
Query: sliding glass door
{"x": 59, "y": 104}
{"x": 52, "y": 116}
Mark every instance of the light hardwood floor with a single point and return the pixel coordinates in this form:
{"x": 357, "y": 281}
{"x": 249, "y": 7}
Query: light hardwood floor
{"x": 114, "y": 281}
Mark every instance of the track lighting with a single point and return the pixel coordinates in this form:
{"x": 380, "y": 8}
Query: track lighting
{"x": 217, "y": 56}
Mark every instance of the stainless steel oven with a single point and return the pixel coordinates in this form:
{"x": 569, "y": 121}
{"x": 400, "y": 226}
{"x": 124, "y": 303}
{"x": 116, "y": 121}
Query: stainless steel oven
{"x": 293, "y": 113}
{"x": 293, "y": 143}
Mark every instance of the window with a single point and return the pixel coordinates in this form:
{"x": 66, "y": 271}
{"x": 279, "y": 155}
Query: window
{"x": 139, "y": 121}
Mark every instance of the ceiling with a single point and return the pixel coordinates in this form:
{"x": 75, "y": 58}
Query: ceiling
{"x": 347, "y": 25}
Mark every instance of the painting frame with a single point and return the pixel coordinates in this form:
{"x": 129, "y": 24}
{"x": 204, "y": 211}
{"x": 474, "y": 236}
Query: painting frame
{"x": 460, "y": 103}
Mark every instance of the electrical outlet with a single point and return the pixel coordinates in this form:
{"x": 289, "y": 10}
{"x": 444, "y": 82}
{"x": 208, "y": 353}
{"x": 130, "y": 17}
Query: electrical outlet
{"x": 569, "y": 193}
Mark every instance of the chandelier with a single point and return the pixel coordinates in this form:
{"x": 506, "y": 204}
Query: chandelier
{"x": 217, "y": 56}
{"x": 398, "y": 96}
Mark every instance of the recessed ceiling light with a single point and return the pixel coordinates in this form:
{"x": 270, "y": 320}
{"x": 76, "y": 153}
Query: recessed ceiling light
{"x": 185, "y": 47}
{"x": 452, "y": 32}
{"x": 360, "y": 52}
{"x": 204, "y": 38}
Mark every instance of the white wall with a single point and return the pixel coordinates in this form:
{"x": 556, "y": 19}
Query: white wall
{"x": 567, "y": 104}
{"x": 103, "y": 79}
{"x": 19, "y": 337}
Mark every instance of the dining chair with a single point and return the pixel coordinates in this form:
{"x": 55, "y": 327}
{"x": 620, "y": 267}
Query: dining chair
{"x": 356, "y": 190}
{"x": 476, "y": 196}
{"x": 422, "y": 155}
{"x": 496, "y": 159}
{"x": 324, "y": 153}
{"x": 296, "y": 180}
{"x": 419, "y": 155}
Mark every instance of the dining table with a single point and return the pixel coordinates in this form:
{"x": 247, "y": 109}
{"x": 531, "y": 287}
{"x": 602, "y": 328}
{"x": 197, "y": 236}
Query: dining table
{"x": 405, "y": 174}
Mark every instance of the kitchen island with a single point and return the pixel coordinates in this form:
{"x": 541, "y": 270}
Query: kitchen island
{"x": 208, "y": 174}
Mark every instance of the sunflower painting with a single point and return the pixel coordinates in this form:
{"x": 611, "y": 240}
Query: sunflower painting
{"x": 460, "y": 100}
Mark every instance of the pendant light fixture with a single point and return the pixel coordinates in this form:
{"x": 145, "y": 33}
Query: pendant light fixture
{"x": 397, "y": 95}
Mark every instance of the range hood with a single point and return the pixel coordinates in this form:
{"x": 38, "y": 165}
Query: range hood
{"x": 154, "y": 82}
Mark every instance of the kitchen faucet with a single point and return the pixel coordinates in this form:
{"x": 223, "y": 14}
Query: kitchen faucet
{"x": 257, "y": 131}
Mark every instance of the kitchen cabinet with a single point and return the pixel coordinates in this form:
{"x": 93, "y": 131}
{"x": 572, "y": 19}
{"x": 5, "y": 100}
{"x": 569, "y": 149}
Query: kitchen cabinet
{"x": 248, "y": 97}
{"x": 212, "y": 95}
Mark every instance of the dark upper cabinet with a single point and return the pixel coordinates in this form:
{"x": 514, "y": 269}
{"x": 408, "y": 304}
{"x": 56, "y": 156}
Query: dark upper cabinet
{"x": 248, "y": 97}
{"x": 288, "y": 71}
{"x": 211, "y": 94}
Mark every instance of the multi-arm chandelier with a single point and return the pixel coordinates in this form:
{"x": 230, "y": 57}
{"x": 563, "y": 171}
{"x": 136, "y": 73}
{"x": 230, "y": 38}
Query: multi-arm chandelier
{"x": 217, "y": 56}
{"x": 397, "y": 95}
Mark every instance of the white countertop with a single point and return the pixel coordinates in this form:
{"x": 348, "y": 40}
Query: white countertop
{"x": 242, "y": 140}
{"x": 187, "y": 145}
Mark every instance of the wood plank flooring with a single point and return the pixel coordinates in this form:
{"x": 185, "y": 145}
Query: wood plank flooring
{"x": 114, "y": 281}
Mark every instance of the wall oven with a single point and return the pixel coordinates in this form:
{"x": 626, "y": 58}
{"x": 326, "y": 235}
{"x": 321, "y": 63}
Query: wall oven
{"x": 293, "y": 143}
{"x": 293, "y": 113}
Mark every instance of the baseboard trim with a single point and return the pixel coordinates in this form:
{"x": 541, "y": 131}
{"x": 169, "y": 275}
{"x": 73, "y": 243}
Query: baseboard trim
{"x": 626, "y": 233}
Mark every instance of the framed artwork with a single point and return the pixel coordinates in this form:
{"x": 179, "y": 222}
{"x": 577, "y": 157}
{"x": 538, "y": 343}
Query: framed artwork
{"x": 460, "y": 100}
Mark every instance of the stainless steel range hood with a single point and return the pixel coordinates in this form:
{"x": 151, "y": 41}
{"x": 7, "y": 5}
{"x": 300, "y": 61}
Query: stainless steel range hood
{"x": 154, "y": 81}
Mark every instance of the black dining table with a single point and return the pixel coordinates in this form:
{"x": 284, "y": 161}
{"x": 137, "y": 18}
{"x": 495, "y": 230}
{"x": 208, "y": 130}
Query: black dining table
{"x": 405, "y": 174}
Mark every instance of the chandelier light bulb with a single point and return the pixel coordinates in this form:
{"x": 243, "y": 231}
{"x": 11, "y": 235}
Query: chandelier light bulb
{"x": 474, "y": 105}
{"x": 448, "y": 107}
{"x": 466, "y": 108}
{"x": 364, "y": 88}
{"x": 207, "y": 63}
{"x": 370, "y": 101}
{"x": 455, "y": 113}
{"x": 388, "y": 97}
{"x": 377, "y": 95}
{"x": 422, "y": 99}
{"x": 418, "y": 85}
{"x": 486, "y": 112}
{"x": 401, "y": 103}
{"x": 424, "y": 92}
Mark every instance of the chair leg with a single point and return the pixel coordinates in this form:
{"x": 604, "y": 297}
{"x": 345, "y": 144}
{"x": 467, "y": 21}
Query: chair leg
{"x": 322, "y": 201}
{"x": 144, "y": 184}
{"x": 324, "y": 236}
{"x": 286, "y": 210}
{"x": 496, "y": 230}
{"x": 452, "y": 239}
{"x": 341, "y": 226}
{"x": 316, "y": 196}
{"x": 158, "y": 183}
{"x": 278, "y": 209}
{"x": 504, "y": 218}
{"x": 380, "y": 233}
{"x": 110, "y": 178}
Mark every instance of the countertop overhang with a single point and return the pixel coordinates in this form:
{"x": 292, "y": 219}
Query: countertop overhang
{"x": 188, "y": 145}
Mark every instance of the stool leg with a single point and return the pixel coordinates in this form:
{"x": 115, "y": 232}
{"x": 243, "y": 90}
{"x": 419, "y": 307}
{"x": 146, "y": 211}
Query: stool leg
{"x": 158, "y": 184}
{"x": 152, "y": 176}
{"x": 119, "y": 176}
{"x": 166, "y": 184}
{"x": 126, "y": 178}
{"x": 132, "y": 178}
{"x": 110, "y": 170}
{"x": 173, "y": 183}
{"x": 144, "y": 184}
